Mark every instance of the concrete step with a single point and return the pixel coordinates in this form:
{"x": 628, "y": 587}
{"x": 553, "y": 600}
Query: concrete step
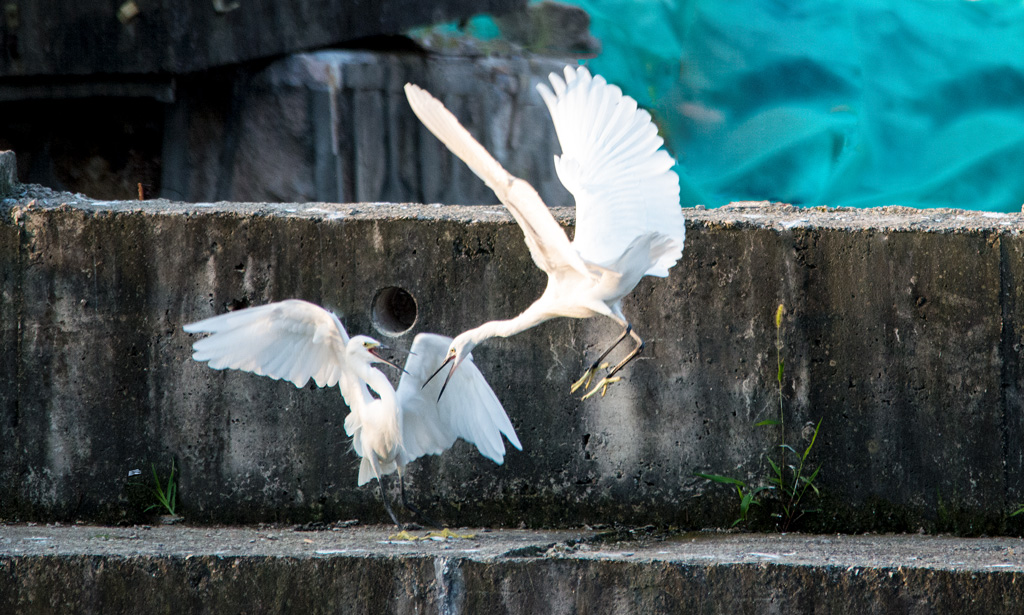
{"x": 94, "y": 569}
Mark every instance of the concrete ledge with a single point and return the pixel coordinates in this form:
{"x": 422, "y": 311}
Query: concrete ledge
{"x": 902, "y": 333}
{"x": 216, "y": 570}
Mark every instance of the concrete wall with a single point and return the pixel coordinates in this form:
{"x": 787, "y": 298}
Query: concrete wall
{"x": 902, "y": 335}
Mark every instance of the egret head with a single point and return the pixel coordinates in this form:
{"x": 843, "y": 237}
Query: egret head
{"x": 368, "y": 349}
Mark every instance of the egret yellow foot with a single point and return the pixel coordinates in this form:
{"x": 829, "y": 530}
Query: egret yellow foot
{"x": 588, "y": 375}
{"x": 404, "y": 535}
{"x": 583, "y": 382}
{"x": 445, "y": 534}
{"x": 603, "y": 385}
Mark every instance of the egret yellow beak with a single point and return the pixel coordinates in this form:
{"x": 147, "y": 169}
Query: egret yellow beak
{"x": 375, "y": 351}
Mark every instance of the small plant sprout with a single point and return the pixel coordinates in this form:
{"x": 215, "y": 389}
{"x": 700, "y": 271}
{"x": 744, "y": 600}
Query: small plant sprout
{"x": 166, "y": 496}
{"x": 792, "y": 490}
{"x": 745, "y": 493}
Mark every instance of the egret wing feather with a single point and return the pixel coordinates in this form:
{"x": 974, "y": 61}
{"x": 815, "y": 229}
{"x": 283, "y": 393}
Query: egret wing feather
{"x": 469, "y": 409}
{"x": 290, "y": 340}
{"x": 613, "y": 165}
{"x": 548, "y": 244}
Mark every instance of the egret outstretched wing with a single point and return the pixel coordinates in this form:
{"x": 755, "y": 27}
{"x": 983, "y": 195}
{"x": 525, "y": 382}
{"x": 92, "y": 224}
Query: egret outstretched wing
{"x": 290, "y": 340}
{"x": 469, "y": 409}
{"x": 613, "y": 165}
{"x": 548, "y": 244}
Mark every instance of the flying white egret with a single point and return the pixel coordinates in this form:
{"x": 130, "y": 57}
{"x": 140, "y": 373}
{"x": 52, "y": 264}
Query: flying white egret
{"x": 628, "y": 218}
{"x": 296, "y": 340}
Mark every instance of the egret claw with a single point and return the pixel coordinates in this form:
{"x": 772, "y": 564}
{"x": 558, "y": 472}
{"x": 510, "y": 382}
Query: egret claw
{"x": 583, "y": 382}
{"x": 603, "y": 385}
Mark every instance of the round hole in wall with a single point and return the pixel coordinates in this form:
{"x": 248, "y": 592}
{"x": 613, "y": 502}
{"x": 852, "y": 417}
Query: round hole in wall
{"x": 393, "y": 311}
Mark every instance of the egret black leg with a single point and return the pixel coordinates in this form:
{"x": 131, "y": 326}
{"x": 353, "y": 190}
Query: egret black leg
{"x": 380, "y": 484}
{"x": 424, "y": 519}
{"x": 589, "y": 374}
{"x": 387, "y": 507}
{"x": 632, "y": 355}
{"x": 627, "y": 331}
{"x": 603, "y": 384}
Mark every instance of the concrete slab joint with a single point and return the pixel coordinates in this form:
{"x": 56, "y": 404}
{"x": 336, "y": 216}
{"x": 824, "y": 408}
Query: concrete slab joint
{"x": 901, "y": 335}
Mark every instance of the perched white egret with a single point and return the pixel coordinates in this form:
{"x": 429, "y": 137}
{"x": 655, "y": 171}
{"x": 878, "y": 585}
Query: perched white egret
{"x": 295, "y": 340}
{"x": 628, "y": 218}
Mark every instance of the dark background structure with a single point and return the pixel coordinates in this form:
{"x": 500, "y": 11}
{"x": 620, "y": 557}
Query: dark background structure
{"x": 112, "y": 98}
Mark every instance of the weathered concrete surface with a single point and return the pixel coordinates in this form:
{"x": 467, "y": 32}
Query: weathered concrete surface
{"x": 8, "y": 174}
{"x": 340, "y": 124}
{"x": 180, "y": 36}
{"x": 362, "y": 570}
{"x": 902, "y": 334}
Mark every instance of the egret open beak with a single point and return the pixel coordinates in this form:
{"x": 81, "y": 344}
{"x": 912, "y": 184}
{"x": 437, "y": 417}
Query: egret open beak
{"x": 374, "y": 352}
{"x": 446, "y": 361}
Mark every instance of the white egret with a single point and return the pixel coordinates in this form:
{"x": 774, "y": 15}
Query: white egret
{"x": 296, "y": 340}
{"x": 628, "y": 218}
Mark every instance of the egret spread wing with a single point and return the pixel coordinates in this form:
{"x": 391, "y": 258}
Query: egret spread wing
{"x": 613, "y": 165}
{"x": 291, "y": 340}
{"x": 547, "y": 242}
{"x": 469, "y": 409}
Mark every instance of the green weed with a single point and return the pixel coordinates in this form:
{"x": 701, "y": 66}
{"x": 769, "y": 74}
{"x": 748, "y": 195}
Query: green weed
{"x": 746, "y": 493}
{"x": 166, "y": 496}
{"x": 789, "y": 480}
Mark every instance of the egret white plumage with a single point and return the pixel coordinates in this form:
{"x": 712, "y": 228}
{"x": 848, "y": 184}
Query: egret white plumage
{"x": 629, "y": 223}
{"x": 296, "y": 340}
